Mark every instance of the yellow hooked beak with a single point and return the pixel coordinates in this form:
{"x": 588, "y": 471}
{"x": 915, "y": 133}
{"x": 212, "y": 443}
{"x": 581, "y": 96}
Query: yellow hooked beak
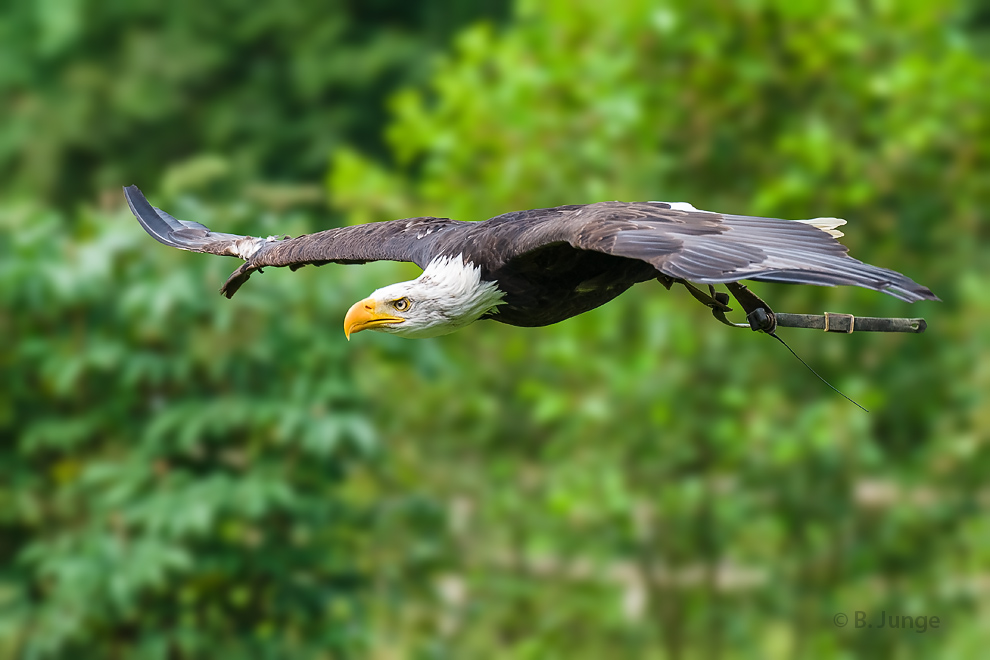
{"x": 364, "y": 315}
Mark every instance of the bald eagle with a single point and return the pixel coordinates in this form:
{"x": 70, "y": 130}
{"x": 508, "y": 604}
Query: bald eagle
{"x": 541, "y": 266}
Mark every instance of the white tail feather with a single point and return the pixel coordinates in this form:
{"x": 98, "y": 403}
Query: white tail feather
{"x": 827, "y": 225}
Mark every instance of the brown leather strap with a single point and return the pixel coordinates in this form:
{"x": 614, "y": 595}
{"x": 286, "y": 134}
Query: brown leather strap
{"x": 846, "y": 323}
{"x": 761, "y": 318}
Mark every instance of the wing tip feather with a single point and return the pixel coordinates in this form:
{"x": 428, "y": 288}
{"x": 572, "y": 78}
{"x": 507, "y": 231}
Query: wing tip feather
{"x": 155, "y": 225}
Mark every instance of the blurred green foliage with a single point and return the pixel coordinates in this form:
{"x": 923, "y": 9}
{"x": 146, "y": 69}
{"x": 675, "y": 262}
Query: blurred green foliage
{"x": 96, "y": 93}
{"x": 184, "y": 476}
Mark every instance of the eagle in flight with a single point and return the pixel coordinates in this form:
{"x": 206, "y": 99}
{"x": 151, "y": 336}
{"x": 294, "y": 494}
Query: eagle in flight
{"x": 538, "y": 267}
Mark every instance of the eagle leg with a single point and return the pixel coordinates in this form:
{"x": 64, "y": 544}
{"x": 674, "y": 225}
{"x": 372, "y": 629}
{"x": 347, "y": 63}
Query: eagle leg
{"x": 667, "y": 282}
{"x": 714, "y": 301}
{"x": 758, "y": 313}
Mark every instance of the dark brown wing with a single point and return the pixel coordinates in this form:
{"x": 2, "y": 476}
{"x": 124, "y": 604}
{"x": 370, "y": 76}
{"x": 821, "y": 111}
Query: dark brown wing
{"x": 412, "y": 240}
{"x": 693, "y": 245}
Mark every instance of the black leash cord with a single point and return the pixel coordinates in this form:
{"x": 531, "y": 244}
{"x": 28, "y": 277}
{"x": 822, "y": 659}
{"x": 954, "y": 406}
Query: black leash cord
{"x": 774, "y": 335}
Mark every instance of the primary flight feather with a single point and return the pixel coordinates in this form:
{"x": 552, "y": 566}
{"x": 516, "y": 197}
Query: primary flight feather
{"x": 541, "y": 266}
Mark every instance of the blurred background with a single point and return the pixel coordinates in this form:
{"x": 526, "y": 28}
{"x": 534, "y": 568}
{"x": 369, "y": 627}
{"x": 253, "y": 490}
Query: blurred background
{"x": 183, "y": 476}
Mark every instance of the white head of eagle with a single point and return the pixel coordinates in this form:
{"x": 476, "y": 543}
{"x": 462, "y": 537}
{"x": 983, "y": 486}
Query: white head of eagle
{"x": 449, "y": 295}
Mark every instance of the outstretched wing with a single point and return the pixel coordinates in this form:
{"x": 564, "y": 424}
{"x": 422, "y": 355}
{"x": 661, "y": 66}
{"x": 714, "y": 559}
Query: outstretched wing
{"x": 412, "y": 240}
{"x": 699, "y": 246}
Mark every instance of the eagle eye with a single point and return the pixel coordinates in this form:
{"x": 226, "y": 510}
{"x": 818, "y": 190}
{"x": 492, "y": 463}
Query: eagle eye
{"x": 401, "y": 305}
